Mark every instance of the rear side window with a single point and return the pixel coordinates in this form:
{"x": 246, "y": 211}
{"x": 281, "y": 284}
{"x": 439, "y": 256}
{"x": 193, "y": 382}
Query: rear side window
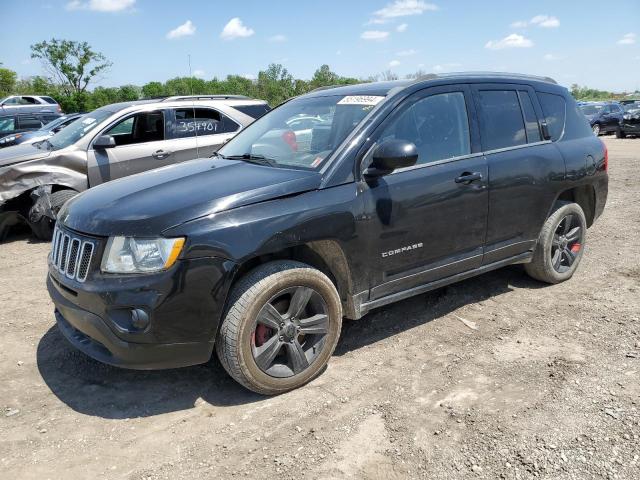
{"x": 554, "y": 109}
{"x": 49, "y": 100}
{"x": 502, "y": 124}
{"x": 530, "y": 118}
{"x": 254, "y": 111}
{"x": 29, "y": 121}
{"x": 201, "y": 121}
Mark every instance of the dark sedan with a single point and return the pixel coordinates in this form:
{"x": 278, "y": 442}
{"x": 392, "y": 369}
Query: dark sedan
{"x": 41, "y": 134}
{"x": 604, "y": 117}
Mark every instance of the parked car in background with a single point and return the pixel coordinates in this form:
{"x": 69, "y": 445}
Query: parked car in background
{"x": 258, "y": 254}
{"x": 630, "y": 120}
{"x": 113, "y": 142}
{"x": 28, "y": 103}
{"x": 604, "y": 117}
{"x": 24, "y": 122}
{"x": 46, "y": 131}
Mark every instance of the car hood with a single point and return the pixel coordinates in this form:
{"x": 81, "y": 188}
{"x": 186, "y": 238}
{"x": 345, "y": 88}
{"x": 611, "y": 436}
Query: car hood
{"x": 21, "y": 153}
{"x": 149, "y": 203}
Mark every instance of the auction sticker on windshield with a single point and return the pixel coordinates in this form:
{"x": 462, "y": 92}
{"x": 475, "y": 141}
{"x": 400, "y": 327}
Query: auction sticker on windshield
{"x": 361, "y": 100}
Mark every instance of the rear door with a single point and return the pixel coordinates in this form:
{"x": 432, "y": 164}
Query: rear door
{"x": 521, "y": 167}
{"x": 428, "y": 221}
{"x": 197, "y": 132}
{"x": 141, "y": 145}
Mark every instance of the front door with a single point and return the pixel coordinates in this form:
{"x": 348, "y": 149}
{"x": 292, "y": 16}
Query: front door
{"x": 428, "y": 221}
{"x": 140, "y": 146}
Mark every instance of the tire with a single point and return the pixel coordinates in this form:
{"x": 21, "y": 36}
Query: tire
{"x": 242, "y": 341}
{"x": 43, "y": 228}
{"x": 596, "y": 129}
{"x": 620, "y": 133}
{"x": 558, "y": 251}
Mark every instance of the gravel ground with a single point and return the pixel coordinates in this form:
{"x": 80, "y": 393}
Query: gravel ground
{"x": 495, "y": 377}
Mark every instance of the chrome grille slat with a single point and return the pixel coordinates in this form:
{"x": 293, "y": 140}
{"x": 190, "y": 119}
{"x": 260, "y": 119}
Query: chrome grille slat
{"x": 71, "y": 255}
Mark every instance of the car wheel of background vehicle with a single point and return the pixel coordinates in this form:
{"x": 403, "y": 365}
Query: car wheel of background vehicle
{"x": 596, "y": 129}
{"x": 281, "y": 327}
{"x": 620, "y": 133}
{"x": 560, "y": 245}
{"x": 43, "y": 228}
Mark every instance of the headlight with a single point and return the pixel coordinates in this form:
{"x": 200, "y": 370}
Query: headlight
{"x": 140, "y": 255}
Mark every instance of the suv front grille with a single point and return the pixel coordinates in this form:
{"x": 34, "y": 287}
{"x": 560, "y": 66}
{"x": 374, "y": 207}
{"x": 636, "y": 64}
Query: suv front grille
{"x": 71, "y": 255}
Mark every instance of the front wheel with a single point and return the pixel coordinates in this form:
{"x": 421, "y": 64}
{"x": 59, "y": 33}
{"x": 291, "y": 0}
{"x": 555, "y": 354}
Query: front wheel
{"x": 596, "y": 129}
{"x": 281, "y": 327}
{"x": 620, "y": 133}
{"x": 560, "y": 245}
{"x": 43, "y": 227}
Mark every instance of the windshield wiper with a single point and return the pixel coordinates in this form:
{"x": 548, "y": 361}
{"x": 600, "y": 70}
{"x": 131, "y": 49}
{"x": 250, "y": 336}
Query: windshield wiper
{"x": 252, "y": 158}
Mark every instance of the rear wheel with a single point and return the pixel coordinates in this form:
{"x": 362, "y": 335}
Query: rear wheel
{"x": 596, "y": 129}
{"x": 560, "y": 245}
{"x": 620, "y": 133}
{"x": 43, "y": 228}
{"x": 282, "y": 325}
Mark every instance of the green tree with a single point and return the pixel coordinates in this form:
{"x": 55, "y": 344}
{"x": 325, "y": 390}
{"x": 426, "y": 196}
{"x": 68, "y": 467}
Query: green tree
{"x": 153, "y": 89}
{"x": 73, "y": 64}
{"x": 324, "y": 77}
{"x": 7, "y": 81}
{"x": 275, "y": 84}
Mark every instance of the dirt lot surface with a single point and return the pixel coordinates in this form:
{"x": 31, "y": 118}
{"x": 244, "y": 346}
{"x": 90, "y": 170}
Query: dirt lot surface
{"x": 537, "y": 381}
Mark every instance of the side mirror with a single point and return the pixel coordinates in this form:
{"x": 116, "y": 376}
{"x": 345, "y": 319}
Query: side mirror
{"x": 104, "y": 141}
{"x": 391, "y": 155}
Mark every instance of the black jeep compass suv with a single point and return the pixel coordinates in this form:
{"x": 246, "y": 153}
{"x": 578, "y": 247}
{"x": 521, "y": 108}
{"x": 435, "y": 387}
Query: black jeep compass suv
{"x": 333, "y": 204}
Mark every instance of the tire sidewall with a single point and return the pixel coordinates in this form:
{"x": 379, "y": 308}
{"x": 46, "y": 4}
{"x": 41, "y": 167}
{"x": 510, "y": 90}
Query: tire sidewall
{"x": 556, "y": 218}
{"x": 306, "y": 277}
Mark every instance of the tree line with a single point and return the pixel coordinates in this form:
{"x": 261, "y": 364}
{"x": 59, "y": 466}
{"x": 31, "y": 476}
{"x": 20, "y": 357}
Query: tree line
{"x": 71, "y": 67}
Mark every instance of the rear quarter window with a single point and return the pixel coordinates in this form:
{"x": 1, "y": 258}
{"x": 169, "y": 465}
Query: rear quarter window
{"x": 254, "y": 111}
{"x": 49, "y": 100}
{"x": 554, "y": 109}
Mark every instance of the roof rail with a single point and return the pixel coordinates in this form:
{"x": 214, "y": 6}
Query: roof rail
{"x": 204, "y": 97}
{"x": 433, "y": 76}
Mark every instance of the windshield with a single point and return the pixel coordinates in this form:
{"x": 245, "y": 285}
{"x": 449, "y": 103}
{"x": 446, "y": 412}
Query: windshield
{"x": 78, "y": 129}
{"x": 301, "y": 133}
{"x": 631, "y": 106}
{"x": 591, "y": 109}
{"x": 54, "y": 123}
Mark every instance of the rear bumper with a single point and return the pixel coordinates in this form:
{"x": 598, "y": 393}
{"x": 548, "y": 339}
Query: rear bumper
{"x": 88, "y": 333}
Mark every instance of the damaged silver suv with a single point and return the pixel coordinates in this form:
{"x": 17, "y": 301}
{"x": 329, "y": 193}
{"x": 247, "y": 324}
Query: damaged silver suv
{"x": 113, "y": 142}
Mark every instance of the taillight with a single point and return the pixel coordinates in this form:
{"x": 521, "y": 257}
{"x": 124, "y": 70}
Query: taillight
{"x": 606, "y": 157}
{"x": 290, "y": 139}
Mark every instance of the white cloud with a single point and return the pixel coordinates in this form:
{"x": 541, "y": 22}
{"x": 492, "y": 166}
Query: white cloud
{"x": 627, "y": 39}
{"x": 101, "y": 5}
{"x": 235, "y": 29}
{"x": 394, "y": 63}
{"x": 545, "y": 21}
{"x": 447, "y": 67}
{"x": 374, "y": 35}
{"x": 184, "y": 30}
{"x": 406, "y": 53}
{"x": 402, "y": 27}
{"x": 510, "y": 41}
{"x": 249, "y": 76}
{"x": 401, "y": 8}
{"x": 278, "y": 38}
{"x": 199, "y": 73}
{"x": 550, "y": 57}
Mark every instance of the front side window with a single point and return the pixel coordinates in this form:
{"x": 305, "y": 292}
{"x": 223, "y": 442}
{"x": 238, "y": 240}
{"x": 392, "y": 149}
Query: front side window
{"x": 501, "y": 125}
{"x": 590, "y": 109}
{"x": 191, "y": 122}
{"x": 554, "y": 109}
{"x": 12, "y": 101}
{"x": 142, "y": 127}
{"x": 7, "y": 124}
{"x": 438, "y": 125}
{"x": 276, "y": 138}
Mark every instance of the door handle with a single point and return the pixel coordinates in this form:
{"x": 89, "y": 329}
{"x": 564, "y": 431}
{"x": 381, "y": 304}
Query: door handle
{"x": 160, "y": 154}
{"x": 468, "y": 177}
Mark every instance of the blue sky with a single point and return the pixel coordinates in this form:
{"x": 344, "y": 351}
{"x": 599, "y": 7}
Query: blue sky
{"x": 150, "y": 39}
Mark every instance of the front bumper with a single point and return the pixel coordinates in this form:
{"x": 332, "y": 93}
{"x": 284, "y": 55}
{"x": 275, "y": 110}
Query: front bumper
{"x": 184, "y": 306}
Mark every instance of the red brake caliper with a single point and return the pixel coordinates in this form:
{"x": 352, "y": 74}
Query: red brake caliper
{"x": 262, "y": 334}
{"x": 575, "y": 248}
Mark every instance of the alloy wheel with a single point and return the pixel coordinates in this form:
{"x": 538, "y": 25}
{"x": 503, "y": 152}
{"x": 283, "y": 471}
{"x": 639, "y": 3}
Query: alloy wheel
{"x": 566, "y": 243}
{"x": 289, "y": 332}
{"x": 596, "y": 129}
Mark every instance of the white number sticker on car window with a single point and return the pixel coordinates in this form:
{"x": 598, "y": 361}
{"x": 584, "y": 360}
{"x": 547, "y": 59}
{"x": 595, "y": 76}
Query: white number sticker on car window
{"x": 361, "y": 100}
{"x": 198, "y": 126}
